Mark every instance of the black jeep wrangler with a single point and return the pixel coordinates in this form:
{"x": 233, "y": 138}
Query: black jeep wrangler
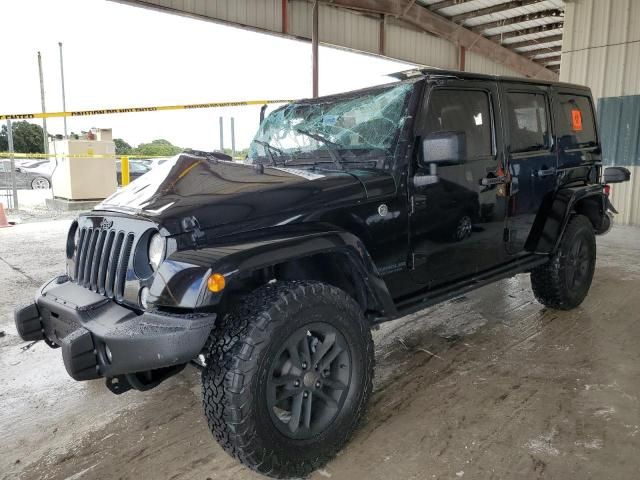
{"x": 349, "y": 210}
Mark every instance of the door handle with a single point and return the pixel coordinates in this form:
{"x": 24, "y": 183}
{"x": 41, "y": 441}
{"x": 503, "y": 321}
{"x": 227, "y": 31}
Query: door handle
{"x": 489, "y": 181}
{"x": 546, "y": 172}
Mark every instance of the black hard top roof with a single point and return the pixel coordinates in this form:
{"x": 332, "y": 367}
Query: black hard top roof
{"x": 435, "y": 73}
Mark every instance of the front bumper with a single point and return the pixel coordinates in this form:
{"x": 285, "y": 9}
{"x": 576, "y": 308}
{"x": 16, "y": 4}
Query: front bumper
{"x": 100, "y": 338}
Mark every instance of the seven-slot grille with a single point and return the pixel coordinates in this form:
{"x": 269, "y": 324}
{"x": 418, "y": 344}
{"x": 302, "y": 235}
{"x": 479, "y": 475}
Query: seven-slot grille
{"x": 102, "y": 259}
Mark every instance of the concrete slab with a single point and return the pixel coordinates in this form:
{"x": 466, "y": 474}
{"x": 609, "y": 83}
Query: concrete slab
{"x": 66, "y": 205}
{"x": 515, "y": 391}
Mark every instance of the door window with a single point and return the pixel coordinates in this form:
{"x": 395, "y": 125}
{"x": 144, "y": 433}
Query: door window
{"x": 576, "y": 126}
{"x": 527, "y": 114}
{"x": 465, "y": 111}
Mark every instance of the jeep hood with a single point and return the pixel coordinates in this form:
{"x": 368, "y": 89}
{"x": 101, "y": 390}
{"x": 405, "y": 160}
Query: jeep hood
{"x": 213, "y": 192}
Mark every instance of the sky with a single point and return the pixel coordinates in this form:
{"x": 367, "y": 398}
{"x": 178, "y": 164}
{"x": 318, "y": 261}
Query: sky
{"x": 118, "y": 55}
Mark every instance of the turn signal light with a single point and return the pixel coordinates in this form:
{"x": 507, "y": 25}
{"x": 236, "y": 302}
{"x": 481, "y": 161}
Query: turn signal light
{"x": 607, "y": 190}
{"x": 216, "y": 282}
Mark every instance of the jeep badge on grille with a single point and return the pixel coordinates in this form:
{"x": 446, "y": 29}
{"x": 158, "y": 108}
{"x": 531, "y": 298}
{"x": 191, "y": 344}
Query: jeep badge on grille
{"x": 106, "y": 224}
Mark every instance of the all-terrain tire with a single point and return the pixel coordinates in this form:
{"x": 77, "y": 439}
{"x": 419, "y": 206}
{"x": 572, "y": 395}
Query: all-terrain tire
{"x": 241, "y": 352}
{"x": 564, "y": 281}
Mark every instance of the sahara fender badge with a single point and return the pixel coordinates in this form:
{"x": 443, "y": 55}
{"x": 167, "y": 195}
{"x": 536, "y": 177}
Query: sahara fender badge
{"x": 383, "y": 210}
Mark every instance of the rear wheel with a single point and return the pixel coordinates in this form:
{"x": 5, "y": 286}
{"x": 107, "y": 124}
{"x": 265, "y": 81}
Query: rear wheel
{"x": 288, "y": 377}
{"x": 564, "y": 281}
{"x": 40, "y": 183}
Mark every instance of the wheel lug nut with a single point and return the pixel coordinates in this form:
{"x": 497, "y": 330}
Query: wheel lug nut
{"x": 304, "y": 365}
{"x": 305, "y": 394}
{"x": 318, "y": 384}
{"x": 296, "y": 383}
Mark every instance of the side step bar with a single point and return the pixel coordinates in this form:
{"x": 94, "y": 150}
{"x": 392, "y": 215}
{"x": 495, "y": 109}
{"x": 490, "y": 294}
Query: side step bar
{"x": 455, "y": 289}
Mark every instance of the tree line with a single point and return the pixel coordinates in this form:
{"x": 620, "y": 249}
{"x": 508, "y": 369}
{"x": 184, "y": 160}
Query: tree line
{"x": 28, "y": 138}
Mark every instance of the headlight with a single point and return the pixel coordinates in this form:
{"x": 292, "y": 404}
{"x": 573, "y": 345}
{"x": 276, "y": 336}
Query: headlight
{"x": 156, "y": 251}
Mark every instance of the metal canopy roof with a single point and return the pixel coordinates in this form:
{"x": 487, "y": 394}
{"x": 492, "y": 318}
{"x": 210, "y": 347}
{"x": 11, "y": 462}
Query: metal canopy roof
{"x": 532, "y": 28}
{"x": 519, "y": 36}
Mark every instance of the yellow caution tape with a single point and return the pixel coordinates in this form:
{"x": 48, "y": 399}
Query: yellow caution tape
{"x": 110, "y": 111}
{"x": 60, "y": 155}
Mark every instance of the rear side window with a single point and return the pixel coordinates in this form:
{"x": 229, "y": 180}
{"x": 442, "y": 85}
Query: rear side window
{"x": 465, "y": 111}
{"x": 576, "y": 126}
{"x": 528, "y": 118}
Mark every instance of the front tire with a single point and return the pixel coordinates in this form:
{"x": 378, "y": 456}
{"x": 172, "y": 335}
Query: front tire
{"x": 564, "y": 281}
{"x": 288, "y": 376}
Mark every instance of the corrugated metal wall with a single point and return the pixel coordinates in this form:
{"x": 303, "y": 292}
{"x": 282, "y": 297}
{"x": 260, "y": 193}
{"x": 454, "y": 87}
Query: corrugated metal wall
{"x": 261, "y": 14}
{"x": 338, "y": 27}
{"x": 419, "y": 47}
{"x": 601, "y": 49}
{"x": 482, "y": 64}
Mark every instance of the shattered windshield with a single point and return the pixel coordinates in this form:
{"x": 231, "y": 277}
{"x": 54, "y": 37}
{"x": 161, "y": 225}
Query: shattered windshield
{"x": 363, "y": 127}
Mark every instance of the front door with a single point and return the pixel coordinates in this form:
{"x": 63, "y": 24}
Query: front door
{"x": 532, "y": 157}
{"x": 457, "y": 220}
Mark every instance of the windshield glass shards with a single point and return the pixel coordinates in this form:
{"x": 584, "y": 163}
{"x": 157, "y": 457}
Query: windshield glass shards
{"x": 363, "y": 127}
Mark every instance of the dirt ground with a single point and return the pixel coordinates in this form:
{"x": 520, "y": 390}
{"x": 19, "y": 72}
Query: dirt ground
{"x": 488, "y": 386}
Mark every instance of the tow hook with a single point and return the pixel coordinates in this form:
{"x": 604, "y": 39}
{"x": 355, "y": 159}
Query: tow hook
{"x": 141, "y": 381}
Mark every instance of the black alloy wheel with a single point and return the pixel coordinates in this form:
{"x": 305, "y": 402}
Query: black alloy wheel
{"x": 564, "y": 281}
{"x": 578, "y": 263}
{"x": 309, "y": 380}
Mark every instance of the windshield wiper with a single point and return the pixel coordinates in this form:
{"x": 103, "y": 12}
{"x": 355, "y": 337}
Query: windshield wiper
{"x": 337, "y": 159}
{"x": 268, "y": 148}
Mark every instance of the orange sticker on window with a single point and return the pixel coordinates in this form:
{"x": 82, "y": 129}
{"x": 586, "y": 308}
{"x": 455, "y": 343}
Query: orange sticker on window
{"x": 576, "y": 120}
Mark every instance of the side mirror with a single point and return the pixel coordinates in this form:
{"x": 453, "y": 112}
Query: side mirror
{"x": 421, "y": 180}
{"x": 616, "y": 175}
{"x": 444, "y": 148}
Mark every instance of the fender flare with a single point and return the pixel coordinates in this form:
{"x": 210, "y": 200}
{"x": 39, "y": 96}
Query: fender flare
{"x": 554, "y": 214}
{"x": 238, "y": 258}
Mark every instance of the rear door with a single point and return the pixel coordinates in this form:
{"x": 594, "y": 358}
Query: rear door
{"x": 531, "y": 157}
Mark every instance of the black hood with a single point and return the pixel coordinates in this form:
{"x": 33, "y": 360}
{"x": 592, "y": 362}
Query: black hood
{"x": 214, "y": 192}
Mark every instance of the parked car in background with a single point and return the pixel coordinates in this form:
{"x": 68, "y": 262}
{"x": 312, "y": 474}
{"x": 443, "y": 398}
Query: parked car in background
{"x": 36, "y": 178}
{"x": 156, "y": 162}
{"x": 31, "y": 162}
{"x": 137, "y": 168}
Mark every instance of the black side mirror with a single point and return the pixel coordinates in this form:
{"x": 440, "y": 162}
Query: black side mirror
{"x": 616, "y": 175}
{"x": 444, "y": 148}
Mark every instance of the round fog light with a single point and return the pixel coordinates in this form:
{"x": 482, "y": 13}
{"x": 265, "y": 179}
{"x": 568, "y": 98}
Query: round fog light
{"x": 108, "y": 354}
{"x": 144, "y": 297}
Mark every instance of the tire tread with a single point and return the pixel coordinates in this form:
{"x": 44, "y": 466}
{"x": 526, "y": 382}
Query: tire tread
{"x": 232, "y": 355}
{"x": 547, "y": 281}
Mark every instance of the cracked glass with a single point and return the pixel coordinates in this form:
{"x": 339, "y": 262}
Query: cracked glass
{"x": 362, "y": 127}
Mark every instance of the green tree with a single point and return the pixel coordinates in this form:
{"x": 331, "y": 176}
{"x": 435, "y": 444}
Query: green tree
{"x": 159, "y": 147}
{"x": 27, "y": 138}
{"x": 122, "y": 147}
{"x": 239, "y": 153}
